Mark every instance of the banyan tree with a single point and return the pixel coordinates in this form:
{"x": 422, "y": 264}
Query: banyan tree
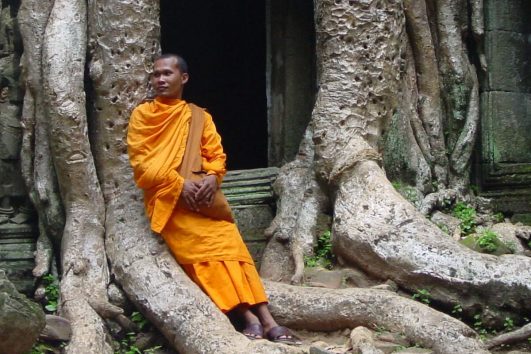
{"x": 398, "y": 97}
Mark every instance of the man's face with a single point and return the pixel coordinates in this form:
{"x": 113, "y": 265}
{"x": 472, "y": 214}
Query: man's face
{"x": 167, "y": 79}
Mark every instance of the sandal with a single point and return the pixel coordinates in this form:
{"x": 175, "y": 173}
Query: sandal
{"x": 254, "y": 331}
{"x": 281, "y": 334}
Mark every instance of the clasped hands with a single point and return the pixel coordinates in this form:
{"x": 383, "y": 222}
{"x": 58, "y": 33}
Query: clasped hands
{"x": 196, "y": 194}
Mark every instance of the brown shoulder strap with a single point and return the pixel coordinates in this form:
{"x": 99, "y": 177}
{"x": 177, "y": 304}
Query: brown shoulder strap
{"x": 192, "y": 160}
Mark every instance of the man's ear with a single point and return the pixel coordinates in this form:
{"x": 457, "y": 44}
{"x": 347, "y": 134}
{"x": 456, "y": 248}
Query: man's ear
{"x": 185, "y": 78}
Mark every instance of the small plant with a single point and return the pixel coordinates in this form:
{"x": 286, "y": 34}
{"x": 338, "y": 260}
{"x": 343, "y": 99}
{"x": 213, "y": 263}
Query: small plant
{"x": 508, "y": 324}
{"x": 474, "y": 188}
{"x": 51, "y": 292}
{"x": 127, "y": 345}
{"x": 311, "y": 261}
{"x": 422, "y": 295}
{"x": 488, "y": 241}
{"x": 478, "y": 327}
{"x": 498, "y": 217}
{"x": 467, "y": 215}
{"x": 457, "y": 310}
{"x": 399, "y": 349}
{"x": 139, "y": 320}
{"x": 511, "y": 246}
{"x": 323, "y": 255}
{"x": 41, "y": 348}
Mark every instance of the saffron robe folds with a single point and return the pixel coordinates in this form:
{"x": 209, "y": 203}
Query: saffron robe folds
{"x": 210, "y": 251}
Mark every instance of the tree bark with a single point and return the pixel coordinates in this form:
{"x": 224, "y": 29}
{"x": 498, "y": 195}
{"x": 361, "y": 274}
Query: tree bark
{"x": 328, "y": 309}
{"x": 84, "y": 263}
{"x": 360, "y": 48}
{"x": 36, "y": 159}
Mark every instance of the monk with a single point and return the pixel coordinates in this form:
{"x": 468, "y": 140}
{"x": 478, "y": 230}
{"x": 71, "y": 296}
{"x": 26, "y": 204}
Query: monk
{"x": 211, "y": 251}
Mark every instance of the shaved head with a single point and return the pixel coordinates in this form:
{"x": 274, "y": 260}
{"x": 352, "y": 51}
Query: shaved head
{"x": 181, "y": 63}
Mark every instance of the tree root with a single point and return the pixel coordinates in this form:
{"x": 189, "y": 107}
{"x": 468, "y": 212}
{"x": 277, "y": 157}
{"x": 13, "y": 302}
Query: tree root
{"x": 376, "y": 229}
{"x": 155, "y": 283}
{"x": 332, "y": 309}
{"x": 516, "y": 336}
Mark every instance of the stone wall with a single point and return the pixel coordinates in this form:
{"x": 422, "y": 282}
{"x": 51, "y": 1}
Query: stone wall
{"x": 250, "y": 195}
{"x": 505, "y": 172}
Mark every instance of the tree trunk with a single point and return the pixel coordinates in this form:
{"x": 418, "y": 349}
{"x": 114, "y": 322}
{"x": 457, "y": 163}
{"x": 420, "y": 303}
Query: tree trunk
{"x": 84, "y": 263}
{"x": 36, "y": 159}
{"x": 361, "y": 46}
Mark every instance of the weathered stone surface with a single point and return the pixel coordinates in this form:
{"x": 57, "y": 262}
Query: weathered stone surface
{"x": 323, "y": 278}
{"x": 508, "y": 15}
{"x": 57, "y": 329}
{"x": 250, "y": 195}
{"x": 508, "y": 60}
{"x": 387, "y": 347}
{"x": 362, "y": 341}
{"x": 507, "y": 233}
{"x": 21, "y": 320}
{"x": 252, "y": 220}
{"x": 507, "y": 122}
{"x": 446, "y": 222}
{"x": 17, "y": 245}
{"x": 356, "y": 278}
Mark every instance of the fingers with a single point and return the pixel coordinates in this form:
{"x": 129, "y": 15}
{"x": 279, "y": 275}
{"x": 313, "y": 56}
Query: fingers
{"x": 207, "y": 189}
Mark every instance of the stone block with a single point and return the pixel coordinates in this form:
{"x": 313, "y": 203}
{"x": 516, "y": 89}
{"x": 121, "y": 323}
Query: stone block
{"x": 508, "y": 15}
{"x": 506, "y": 123}
{"x": 509, "y": 63}
{"x": 57, "y": 329}
{"x": 21, "y": 320}
{"x": 252, "y": 220}
{"x": 17, "y": 247}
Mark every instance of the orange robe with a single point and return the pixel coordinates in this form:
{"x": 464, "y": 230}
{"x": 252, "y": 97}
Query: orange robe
{"x": 210, "y": 251}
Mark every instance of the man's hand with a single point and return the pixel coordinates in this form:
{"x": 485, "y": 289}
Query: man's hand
{"x": 188, "y": 195}
{"x": 207, "y": 191}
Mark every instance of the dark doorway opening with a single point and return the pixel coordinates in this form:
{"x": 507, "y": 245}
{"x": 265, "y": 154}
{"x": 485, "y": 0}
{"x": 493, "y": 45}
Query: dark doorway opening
{"x": 224, "y": 43}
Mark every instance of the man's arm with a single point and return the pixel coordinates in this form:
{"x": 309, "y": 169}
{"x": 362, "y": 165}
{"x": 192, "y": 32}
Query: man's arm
{"x": 213, "y": 162}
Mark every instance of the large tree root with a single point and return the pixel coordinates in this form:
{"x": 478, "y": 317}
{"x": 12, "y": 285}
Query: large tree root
{"x": 376, "y": 229}
{"x": 330, "y": 309}
{"x": 84, "y": 263}
{"x": 164, "y": 293}
{"x": 519, "y": 335}
{"x": 36, "y": 159}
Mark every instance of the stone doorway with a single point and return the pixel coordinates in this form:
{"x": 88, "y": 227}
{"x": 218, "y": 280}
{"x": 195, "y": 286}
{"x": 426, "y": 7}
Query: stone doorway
{"x": 252, "y": 65}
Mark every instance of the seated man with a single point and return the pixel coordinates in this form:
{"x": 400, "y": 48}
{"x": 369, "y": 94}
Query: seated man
{"x": 211, "y": 251}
